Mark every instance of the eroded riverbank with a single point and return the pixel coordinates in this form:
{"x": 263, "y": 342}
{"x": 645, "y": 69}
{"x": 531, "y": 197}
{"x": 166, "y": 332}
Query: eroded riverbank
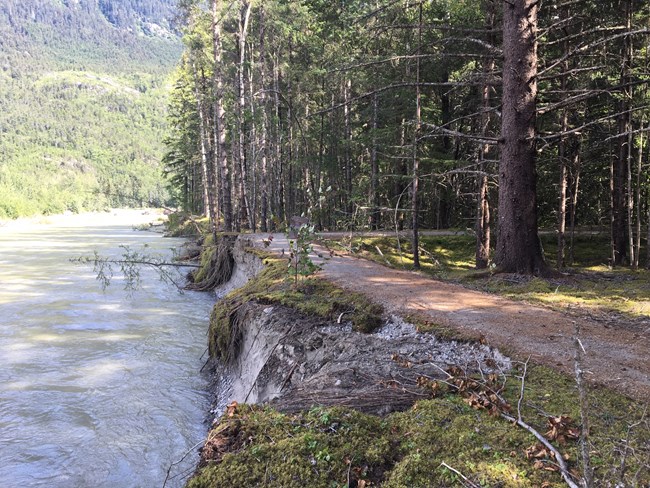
{"x": 443, "y": 405}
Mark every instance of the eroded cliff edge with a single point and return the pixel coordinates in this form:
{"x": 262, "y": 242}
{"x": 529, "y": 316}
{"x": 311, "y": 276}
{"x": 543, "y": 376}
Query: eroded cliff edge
{"x": 268, "y": 352}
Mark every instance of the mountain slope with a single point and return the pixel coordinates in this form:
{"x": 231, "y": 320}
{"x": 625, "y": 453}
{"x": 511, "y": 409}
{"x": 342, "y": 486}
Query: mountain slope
{"x": 82, "y": 103}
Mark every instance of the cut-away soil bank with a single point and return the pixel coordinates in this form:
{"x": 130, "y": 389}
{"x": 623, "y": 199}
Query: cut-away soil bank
{"x": 349, "y": 394}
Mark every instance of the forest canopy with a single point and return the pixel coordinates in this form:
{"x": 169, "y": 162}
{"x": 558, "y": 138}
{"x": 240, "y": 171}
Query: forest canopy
{"x": 393, "y": 114}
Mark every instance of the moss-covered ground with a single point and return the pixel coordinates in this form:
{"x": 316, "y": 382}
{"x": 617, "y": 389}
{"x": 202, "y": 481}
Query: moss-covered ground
{"x": 589, "y": 284}
{"x": 335, "y": 447}
{"x": 182, "y": 224}
{"x": 311, "y": 295}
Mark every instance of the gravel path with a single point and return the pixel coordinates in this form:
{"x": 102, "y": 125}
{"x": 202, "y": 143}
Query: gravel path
{"x": 617, "y": 353}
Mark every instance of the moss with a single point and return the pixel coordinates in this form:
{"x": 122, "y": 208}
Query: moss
{"x": 313, "y": 296}
{"x": 326, "y": 447}
{"x": 207, "y": 256}
{"x": 337, "y": 447}
{"x": 183, "y": 224}
{"x": 318, "y": 448}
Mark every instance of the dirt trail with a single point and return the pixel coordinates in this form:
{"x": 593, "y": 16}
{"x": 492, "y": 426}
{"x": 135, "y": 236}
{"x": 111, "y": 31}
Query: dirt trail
{"x": 617, "y": 354}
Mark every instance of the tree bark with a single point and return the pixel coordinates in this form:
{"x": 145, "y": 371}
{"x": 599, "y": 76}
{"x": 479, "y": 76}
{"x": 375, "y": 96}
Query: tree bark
{"x": 416, "y": 161}
{"x": 576, "y": 164}
{"x": 221, "y": 152}
{"x": 264, "y": 190}
{"x": 483, "y": 203}
{"x": 374, "y": 168}
{"x": 637, "y": 202}
{"x": 518, "y": 247}
{"x": 244, "y": 18}
{"x": 347, "y": 88}
{"x": 204, "y": 143}
{"x": 620, "y": 171}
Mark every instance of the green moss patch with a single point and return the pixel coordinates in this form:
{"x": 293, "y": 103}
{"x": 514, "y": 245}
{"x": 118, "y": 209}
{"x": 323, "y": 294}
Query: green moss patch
{"x": 336, "y": 447}
{"x": 312, "y": 296}
{"x": 181, "y": 224}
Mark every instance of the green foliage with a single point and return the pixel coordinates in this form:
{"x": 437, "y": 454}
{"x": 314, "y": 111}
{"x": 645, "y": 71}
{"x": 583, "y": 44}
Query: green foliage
{"x": 300, "y": 251}
{"x": 83, "y": 115}
{"x": 182, "y": 224}
{"x": 128, "y": 267}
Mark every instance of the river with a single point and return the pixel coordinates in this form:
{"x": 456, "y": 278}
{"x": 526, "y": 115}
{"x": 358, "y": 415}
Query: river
{"x": 97, "y": 388}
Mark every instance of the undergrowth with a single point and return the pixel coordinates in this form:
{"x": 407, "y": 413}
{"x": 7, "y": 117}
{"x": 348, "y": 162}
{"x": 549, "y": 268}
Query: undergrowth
{"x": 435, "y": 443}
{"x": 183, "y": 224}
{"x": 337, "y": 447}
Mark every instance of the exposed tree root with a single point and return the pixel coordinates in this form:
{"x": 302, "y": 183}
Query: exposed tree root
{"x": 218, "y": 268}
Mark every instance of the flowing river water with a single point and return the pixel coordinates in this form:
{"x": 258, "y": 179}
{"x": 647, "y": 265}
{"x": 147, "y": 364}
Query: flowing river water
{"x": 97, "y": 389}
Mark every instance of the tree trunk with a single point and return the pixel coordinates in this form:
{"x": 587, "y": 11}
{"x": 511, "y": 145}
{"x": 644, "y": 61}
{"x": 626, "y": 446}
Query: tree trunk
{"x": 279, "y": 139}
{"x": 518, "y": 247}
{"x": 639, "y": 170}
{"x": 630, "y": 200}
{"x": 264, "y": 190}
{"x": 347, "y": 88}
{"x": 575, "y": 187}
{"x": 483, "y": 204}
{"x": 221, "y": 152}
{"x": 620, "y": 171}
{"x": 374, "y": 168}
{"x": 244, "y": 18}
{"x": 416, "y": 160}
{"x": 647, "y": 248}
{"x": 203, "y": 140}
{"x": 562, "y": 156}
{"x": 561, "y": 211}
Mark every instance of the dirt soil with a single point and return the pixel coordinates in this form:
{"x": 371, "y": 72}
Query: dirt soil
{"x": 617, "y": 351}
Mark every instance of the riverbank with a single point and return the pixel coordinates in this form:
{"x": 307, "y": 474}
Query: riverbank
{"x": 317, "y": 377}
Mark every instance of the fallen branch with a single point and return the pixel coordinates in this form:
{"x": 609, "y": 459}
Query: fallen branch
{"x": 561, "y": 463}
{"x": 470, "y": 483}
{"x": 175, "y": 463}
{"x": 564, "y": 470}
{"x": 587, "y": 472}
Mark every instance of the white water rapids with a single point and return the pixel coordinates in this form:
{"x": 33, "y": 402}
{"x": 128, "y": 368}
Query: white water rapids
{"x": 97, "y": 389}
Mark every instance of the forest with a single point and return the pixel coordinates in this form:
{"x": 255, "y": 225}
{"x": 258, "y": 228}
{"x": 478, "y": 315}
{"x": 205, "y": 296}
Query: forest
{"x": 83, "y": 89}
{"x": 493, "y": 117}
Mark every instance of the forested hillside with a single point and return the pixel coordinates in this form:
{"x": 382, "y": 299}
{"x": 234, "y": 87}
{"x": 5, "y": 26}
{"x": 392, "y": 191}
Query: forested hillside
{"x": 475, "y": 115}
{"x": 83, "y": 86}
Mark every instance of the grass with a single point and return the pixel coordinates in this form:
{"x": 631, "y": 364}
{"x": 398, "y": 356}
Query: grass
{"x": 589, "y": 284}
{"x": 336, "y": 447}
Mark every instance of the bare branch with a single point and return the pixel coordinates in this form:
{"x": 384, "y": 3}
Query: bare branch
{"x": 571, "y": 72}
{"x": 559, "y": 135}
{"x": 395, "y": 86}
{"x": 442, "y": 132}
{"x": 582, "y": 34}
{"x": 588, "y": 46}
{"x": 587, "y": 472}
